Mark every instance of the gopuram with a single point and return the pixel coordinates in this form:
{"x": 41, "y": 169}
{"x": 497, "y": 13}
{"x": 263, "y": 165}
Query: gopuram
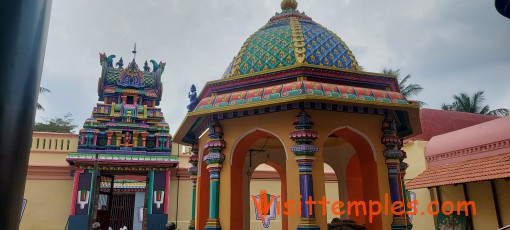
{"x": 123, "y": 162}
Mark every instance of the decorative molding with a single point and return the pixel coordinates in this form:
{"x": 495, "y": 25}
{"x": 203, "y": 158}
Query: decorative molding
{"x": 290, "y": 72}
{"x": 47, "y": 172}
{"x": 470, "y": 151}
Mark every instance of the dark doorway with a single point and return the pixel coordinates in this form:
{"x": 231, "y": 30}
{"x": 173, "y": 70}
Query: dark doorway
{"x": 122, "y": 211}
{"x": 130, "y": 100}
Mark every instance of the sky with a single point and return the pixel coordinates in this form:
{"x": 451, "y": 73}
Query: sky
{"x": 447, "y": 46}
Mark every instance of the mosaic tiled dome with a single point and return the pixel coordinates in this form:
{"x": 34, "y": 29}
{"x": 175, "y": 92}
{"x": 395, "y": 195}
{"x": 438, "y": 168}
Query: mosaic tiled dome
{"x": 291, "y": 38}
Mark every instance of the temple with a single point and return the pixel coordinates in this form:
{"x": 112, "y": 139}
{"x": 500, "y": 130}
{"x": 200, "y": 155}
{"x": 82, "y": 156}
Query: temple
{"x": 295, "y": 98}
{"x": 122, "y": 165}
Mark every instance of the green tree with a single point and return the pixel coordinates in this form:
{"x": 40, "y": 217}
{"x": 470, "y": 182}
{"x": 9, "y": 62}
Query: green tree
{"x": 57, "y": 124}
{"x": 473, "y": 104}
{"x": 42, "y": 90}
{"x": 407, "y": 90}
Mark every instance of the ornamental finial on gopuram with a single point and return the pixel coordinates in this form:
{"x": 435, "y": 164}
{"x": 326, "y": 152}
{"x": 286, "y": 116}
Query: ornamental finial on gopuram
{"x": 289, "y": 5}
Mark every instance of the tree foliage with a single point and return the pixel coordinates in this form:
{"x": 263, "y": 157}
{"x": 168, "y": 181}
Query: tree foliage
{"x": 407, "y": 90}
{"x": 473, "y": 104}
{"x": 57, "y": 124}
{"x": 42, "y": 90}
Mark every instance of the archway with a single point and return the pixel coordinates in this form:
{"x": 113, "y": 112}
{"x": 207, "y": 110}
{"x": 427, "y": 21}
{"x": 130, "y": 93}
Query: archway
{"x": 251, "y": 150}
{"x": 332, "y": 191}
{"x": 268, "y": 177}
{"x": 203, "y": 194}
{"x": 353, "y": 159}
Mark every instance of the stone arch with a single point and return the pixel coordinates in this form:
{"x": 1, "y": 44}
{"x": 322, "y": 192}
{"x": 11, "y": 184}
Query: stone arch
{"x": 364, "y": 136}
{"x": 237, "y": 176}
{"x": 203, "y": 188}
{"x": 366, "y": 156}
{"x": 252, "y": 132}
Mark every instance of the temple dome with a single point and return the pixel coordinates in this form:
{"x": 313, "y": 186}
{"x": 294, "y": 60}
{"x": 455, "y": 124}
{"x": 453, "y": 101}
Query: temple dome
{"x": 289, "y": 39}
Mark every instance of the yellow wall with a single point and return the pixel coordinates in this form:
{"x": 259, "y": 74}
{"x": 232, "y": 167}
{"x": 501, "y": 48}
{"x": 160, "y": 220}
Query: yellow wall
{"x": 503, "y": 190}
{"x": 184, "y": 214}
{"x": 48, "y": 204}
{"x": 417, "y": 164}
{"x": 481, "y": 194}
{"x": 234, "y": 129}
{"x": 49, "y": 185}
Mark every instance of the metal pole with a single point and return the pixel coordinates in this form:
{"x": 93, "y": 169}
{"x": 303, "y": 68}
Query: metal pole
{"x": 24, "y": 26}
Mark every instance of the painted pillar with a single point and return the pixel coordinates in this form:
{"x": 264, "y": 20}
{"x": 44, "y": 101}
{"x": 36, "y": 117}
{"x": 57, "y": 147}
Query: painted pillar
{"x": 144, "y": 138}
{"x": 81, "y": 197}
{"x": 118, "y": 137}
{"x": 393, "y": 154}
{"x": 193, "y": 171}
{"x": 305, "y": 155}
{"x": 214, "y": 162}
{"x": 403, "y": 168}
{"x": 157, "y": 140}
{"x": 109, "y": 133}
{"x": 169, "y": 139}
{"x": 135, "y": 139}
{"x": 157, "y": 192}
{"x": 96, "y": 133}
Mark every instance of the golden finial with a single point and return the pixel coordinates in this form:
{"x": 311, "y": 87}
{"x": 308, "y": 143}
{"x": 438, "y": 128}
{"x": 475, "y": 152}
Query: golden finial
{"x": 289, "y": 5}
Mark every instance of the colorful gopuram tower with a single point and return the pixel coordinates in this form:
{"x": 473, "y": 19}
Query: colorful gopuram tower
{"x": 124, "y": 154}
{"x": 296, "y": 94}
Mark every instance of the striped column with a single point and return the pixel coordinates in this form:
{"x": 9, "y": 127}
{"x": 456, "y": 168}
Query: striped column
{"x": 214, "y": 162}
{"x": 193, "y": 170}
{"x": 403, "y": 168}
{"x": 305, "y": 155}
{"x": 392, "y": 154}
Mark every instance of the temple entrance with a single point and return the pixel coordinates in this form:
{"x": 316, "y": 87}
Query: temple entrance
{"x": 258, "y": 163}
{"x": 104, "y": 207}
{"x": 123, "y": 211}
{"x": 121, "y": 201}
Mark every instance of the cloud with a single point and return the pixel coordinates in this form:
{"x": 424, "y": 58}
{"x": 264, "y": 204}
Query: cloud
{"x": 448, "y": 46}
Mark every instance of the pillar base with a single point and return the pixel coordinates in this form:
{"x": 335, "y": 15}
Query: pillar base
{"x": 213, "y": 224}
{"x": 156, "y": 221}
{"x": 308, "y": 224}
{"x": 78, "y": 222}
{"x": 400, "y": 227}
{"x": 191, "y": 225}
{"x": 403, "y": 226}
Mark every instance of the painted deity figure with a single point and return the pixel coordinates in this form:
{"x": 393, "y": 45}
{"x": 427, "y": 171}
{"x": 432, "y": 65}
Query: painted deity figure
{"x": 192, "y": 95}
{"x": 127, "y": 139}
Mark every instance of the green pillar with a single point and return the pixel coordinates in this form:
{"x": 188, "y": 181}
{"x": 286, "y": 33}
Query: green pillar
{"x": 193, "y": 170}
{"x": 214, "y": 162}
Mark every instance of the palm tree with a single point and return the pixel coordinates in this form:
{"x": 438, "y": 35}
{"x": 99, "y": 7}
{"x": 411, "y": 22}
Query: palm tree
{"x": 473, "y": 104}
{"x": 406, "y": 90}
{"x": 42, "y": 90}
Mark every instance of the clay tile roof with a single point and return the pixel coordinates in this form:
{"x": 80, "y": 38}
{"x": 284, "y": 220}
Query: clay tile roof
{"x": 489, "y": 168}
{"x": 436, "y": 122}
{"x": 478, "y": 141}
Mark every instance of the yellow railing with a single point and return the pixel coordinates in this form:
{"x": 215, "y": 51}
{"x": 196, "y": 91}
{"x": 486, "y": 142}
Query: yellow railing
{"x": 54, "y": 142}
